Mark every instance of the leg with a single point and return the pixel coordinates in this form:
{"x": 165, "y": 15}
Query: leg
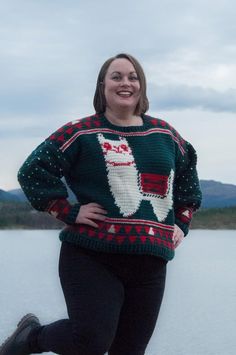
{"x": 140, "y": 310}
{"x": 94, "y": 298}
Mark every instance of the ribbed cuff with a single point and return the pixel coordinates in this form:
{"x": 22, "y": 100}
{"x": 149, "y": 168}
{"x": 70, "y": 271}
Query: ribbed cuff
{"x": 183, "y": 226}
{"x": 73, "y": 213}
{"x": 63, "y": 210}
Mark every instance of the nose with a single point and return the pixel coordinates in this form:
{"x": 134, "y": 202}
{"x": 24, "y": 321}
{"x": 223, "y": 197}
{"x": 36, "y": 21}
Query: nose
{"x": 125, "y": 81}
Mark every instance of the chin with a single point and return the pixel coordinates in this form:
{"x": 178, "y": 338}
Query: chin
{"x": 126, "y": 105}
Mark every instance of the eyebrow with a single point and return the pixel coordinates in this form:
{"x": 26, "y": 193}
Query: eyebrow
{"x": 118, "y": 72}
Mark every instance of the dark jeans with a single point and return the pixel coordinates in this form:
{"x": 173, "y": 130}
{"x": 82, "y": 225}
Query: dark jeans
{"x": 112, "y": 300}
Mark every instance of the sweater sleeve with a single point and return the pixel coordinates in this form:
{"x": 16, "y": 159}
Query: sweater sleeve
{"x": 187, "y": 193}
{"x": 40, "y": 178}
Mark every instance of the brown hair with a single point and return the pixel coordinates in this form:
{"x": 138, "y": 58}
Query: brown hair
{"x": 99, "y": 101}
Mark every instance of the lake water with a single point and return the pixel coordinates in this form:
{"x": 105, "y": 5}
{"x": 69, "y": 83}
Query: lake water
{"x": 198, "y": 314}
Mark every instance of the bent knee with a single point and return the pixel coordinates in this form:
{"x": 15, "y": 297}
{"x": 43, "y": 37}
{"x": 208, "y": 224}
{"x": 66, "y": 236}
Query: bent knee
{"x": 92, "y": 342}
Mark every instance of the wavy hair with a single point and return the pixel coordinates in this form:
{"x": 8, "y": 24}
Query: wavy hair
{"x": 99, "y": 101}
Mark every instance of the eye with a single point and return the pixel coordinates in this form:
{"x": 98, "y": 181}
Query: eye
{"x": 133, "y": 78}
{"x": 116, "y": 77}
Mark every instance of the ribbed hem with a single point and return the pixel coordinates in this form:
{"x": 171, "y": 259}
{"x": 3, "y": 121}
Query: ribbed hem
{"x": 99, "y": 245}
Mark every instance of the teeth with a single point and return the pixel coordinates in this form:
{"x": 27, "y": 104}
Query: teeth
{"x": 124, "y": 93}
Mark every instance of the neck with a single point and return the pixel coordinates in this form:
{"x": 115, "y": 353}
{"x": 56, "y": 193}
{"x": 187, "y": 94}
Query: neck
{"x": 123, "y": 118}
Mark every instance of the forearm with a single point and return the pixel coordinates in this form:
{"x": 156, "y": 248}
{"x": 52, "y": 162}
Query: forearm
{"x": 40, "y": 179}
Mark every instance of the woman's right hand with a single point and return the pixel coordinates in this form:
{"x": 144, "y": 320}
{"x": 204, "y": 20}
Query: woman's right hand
{"x": 90, "y": 212}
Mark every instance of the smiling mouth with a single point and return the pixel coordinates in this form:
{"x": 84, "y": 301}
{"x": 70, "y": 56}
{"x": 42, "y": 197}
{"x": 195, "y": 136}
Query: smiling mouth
{"x": 124, "y": 93}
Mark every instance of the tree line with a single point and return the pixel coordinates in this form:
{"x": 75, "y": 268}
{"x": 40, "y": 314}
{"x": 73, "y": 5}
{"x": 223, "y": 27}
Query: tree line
{"x": 20, "y": 215}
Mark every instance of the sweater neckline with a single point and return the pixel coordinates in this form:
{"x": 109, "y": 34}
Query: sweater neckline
{"x": 114, "y": 127}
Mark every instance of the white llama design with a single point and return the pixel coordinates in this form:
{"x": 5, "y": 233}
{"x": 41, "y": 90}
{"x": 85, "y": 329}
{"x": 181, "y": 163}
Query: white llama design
{"x": 122, "y": 174}
{"x": 128, "y": 186}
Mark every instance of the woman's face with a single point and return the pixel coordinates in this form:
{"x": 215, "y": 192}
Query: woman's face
{"x": 122, "y": 86}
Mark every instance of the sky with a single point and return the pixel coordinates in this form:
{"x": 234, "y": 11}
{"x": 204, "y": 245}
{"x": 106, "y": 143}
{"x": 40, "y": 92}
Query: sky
{"x": 51, "y": 52}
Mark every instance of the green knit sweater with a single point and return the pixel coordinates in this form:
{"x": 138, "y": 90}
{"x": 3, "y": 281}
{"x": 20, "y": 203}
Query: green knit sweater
{"x": 144, "y": 176}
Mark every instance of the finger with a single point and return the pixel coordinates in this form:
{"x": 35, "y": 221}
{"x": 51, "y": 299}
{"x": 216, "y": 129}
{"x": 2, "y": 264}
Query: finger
{"x": 175, "y": 232}
{"x": 94, "y": 204}
{"x": 98, "y": 210}
{"x": 178, "y": 242}
{"x": 100, "y": 217}
{"x": 90, "y": 223}
{"x": 175, "y": 235}
{"x": 174, "y": 241}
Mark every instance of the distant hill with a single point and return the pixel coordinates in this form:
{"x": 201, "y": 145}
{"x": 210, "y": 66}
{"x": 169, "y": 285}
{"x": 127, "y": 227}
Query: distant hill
{"x": 8, "y": 196}
{"x": 215, "y": 194}
{"x": 18, "y": 194}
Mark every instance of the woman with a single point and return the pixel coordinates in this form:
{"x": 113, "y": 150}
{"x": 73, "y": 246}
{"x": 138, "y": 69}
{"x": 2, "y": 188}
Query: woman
{"x": 136, "y": 184}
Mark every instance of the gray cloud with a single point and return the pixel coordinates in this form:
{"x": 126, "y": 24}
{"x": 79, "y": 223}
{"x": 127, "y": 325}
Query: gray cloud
{"x": 28, "y": 100}
{"x": 181, "y": 97}
{"x": 51, "y": 52}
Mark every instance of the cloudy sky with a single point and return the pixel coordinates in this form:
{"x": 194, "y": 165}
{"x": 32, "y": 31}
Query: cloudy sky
{"x": 52, "y": 50}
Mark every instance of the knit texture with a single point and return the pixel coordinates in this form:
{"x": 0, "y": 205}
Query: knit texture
{"x": 144, "y": 176}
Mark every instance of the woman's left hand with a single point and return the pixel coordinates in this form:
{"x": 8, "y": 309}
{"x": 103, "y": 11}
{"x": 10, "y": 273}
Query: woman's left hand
{"x": 178, "y": 236}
